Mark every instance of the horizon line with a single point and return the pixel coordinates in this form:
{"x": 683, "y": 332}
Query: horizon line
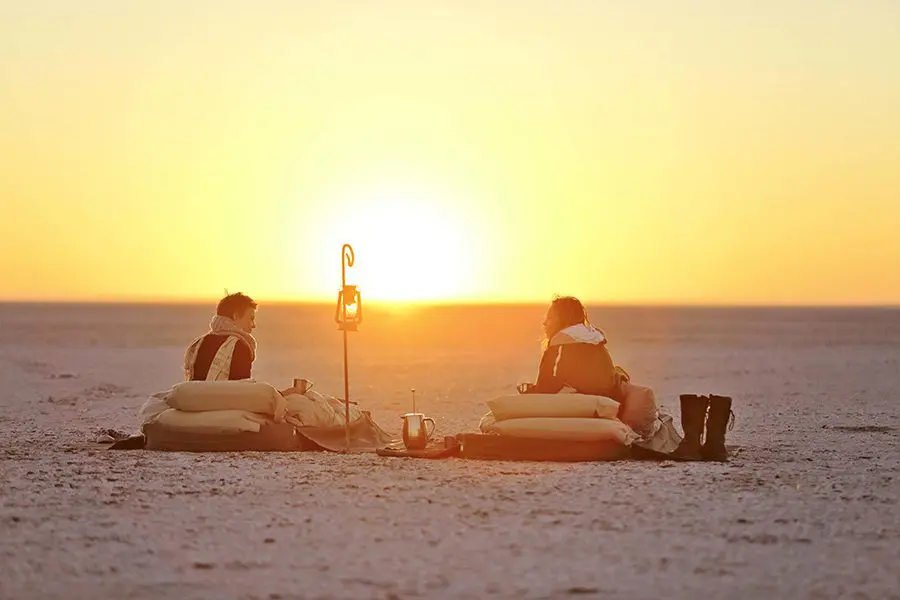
{"x": 143, "y": 301}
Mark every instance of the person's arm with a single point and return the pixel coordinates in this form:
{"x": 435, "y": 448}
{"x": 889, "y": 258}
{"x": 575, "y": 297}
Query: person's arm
{"x": 241, "y": 362}
{"x": 547, "y": 381}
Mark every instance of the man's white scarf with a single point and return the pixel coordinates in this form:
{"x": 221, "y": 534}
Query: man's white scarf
{"x": 221, "y": 364}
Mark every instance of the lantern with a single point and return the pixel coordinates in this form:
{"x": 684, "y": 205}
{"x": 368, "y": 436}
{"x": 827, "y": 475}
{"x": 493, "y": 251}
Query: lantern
{"x": 348, "y": 316}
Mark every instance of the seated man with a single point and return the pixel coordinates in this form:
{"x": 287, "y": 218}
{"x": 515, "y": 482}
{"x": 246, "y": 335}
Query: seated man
{"x": 227, "y": 350}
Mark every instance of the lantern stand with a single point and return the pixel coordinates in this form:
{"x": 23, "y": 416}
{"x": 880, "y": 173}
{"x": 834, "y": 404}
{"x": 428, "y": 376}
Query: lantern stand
{"x": 348, "y": 316}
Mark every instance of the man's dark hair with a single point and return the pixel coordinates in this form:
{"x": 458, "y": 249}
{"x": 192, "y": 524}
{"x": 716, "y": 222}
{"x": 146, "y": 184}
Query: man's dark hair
{"x": 234, "y": 304}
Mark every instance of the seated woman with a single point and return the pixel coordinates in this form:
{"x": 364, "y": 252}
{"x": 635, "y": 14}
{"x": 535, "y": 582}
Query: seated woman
{"x": 575, "y": 354}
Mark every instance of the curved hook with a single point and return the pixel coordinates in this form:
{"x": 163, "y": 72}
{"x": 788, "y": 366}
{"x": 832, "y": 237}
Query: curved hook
{"x": 347, "y": 258}
{"x": 347, "y": 254}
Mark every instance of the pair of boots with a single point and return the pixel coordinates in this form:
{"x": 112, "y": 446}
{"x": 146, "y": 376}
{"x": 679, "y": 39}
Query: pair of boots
{"x": 694, "y": 418}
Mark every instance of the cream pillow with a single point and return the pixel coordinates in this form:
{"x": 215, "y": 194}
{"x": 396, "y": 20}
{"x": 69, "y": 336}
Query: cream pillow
{"x": 251, "y": 396}
{"x": 567, "y": 429}
{"x": 210, "y": 421}
{"x": 519, "y": 406}
{"x": 639, "y": 410}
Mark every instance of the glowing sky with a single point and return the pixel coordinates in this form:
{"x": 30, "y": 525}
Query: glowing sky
{"x": 647, "y": 151}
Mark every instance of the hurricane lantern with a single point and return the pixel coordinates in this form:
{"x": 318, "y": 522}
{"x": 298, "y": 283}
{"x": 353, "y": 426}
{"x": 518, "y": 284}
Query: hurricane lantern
{"x": 348, "y": 314}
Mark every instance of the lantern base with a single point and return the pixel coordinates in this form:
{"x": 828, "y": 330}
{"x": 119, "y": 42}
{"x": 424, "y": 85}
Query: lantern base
{"x": 348, "y": 326}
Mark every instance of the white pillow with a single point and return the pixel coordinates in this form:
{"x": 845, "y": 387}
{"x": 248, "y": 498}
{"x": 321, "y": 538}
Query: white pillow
{"x": 519, "y": 406}
{"x": 210, "y": 421}
{"x": 251, "y": 396}
{"x": 567, "y": 429}
{"x": 640, "y": 411}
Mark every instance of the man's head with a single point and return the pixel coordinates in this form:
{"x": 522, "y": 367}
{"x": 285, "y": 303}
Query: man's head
{"x": 240, "y": 308}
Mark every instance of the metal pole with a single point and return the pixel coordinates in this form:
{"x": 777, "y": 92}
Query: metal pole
{"x": 347, "y": 259}
{"x": 346, "y": 397}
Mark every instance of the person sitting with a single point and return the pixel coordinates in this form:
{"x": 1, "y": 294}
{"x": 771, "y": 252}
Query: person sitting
{"x": 227, "y": 351}
{"x": 575, "y": 354}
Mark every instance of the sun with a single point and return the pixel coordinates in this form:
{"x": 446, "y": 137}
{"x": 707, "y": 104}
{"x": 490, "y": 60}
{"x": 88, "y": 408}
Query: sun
{"x": 410, "y": 246}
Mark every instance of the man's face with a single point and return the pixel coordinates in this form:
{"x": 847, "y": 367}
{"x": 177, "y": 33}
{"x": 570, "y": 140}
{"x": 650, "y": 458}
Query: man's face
{"x": 246, "y": 321}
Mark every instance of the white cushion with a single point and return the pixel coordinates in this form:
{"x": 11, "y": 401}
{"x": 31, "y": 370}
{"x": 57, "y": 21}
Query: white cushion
{"x": 210, "y": 421}
{"x": 519, "y": 406}
{"x": 251, "y": 396}
{"x": 568, "y": 429}
{"x": 640, "y": 411}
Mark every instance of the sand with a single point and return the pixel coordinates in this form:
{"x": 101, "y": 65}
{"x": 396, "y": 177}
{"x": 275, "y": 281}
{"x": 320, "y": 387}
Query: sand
{"x": 807, "y": 509}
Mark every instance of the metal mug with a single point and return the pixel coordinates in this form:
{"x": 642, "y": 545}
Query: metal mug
{"x": 415, "y": 433}
{"x": 301, "y": 386}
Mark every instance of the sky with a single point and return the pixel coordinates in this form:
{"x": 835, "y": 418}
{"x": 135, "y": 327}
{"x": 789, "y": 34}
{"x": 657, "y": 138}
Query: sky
{"x": 626, "y": 152}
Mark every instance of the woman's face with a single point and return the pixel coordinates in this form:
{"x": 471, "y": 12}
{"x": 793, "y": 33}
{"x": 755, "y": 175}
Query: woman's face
{"x": 551, "y": 323}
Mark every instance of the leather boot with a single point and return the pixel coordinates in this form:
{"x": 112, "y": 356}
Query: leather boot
{"x": 693, "y": 417}
{"x": 716, "y": 424}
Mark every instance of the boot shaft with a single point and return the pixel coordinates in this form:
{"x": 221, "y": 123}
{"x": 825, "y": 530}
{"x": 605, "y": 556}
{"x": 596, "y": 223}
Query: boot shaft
{"x": 719, "y": 413}
{"x": 716, "y": 424}
{"x": 693, "y": 414}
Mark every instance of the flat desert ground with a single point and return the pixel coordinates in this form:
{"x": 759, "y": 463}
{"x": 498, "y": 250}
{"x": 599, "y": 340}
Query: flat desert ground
{"x": 808, "y": 508}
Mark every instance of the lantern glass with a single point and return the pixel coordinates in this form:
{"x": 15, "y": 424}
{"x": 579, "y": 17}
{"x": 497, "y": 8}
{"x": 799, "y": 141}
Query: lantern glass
{"x": 351, "y": 312}
{"x": 348, "y": 313}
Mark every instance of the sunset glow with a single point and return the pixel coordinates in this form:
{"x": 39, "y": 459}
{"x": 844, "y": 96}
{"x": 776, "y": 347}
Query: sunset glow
{"x": 655, "y": 152}
{"x": 410, "y": 244}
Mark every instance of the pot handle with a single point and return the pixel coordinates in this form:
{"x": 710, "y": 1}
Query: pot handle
{"x": 428, "y": 434}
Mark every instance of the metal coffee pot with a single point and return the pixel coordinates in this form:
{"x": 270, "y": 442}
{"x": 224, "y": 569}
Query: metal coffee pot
{"x": 415, "y": 432}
